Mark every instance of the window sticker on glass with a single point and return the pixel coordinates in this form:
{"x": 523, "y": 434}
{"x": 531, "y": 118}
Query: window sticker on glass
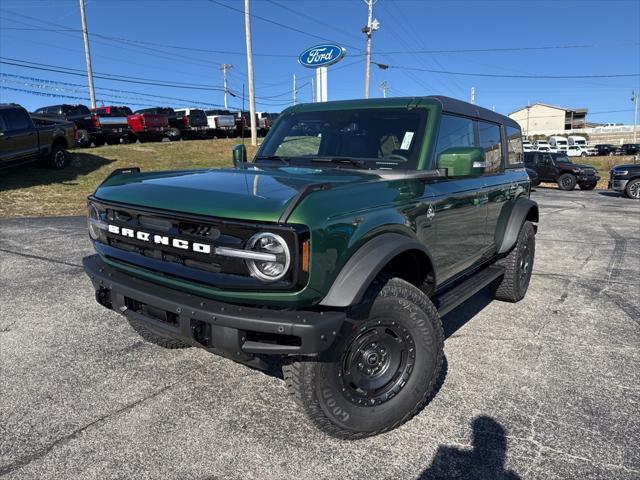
{"x": 406, "y": 141}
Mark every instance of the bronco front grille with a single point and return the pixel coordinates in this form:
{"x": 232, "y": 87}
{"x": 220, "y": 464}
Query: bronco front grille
{"x": 211, "y": 268}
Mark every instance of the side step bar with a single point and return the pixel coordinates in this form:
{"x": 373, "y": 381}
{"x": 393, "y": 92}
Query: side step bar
{"x": 450, "y": 299}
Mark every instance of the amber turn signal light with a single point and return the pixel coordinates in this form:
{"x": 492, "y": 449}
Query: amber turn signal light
{"x": 306, "y": 252}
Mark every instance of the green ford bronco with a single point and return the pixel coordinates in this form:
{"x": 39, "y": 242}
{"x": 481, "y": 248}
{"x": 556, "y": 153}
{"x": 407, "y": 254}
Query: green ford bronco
{"x": 338, "y": 249}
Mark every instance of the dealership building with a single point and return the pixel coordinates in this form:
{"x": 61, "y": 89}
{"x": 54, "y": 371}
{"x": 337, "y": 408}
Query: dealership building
{"x": 545, "y": 119}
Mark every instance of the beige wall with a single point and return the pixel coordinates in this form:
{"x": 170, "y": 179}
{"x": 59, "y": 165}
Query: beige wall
{"x": 542, "y": 120}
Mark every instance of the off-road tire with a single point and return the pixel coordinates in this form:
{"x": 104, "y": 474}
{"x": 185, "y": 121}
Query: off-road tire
{"x": 514, "y": 284}
{"x": 632, "y": 190}
{"x": 587, "y": 186}
{"x": 99, "y": 142}
{"x": 58, "y": 157}
{"x": 152, "y": 337}
{"x": 317, "y": 384}
{"x": 566, "y": 182}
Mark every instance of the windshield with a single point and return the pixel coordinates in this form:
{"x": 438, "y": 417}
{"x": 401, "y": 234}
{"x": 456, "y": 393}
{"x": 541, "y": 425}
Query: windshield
{"x": 561, "y": 158}
{"x": 374, "y": 138}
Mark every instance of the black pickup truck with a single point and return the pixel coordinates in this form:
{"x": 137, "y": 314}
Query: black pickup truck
{"x": 88, "y": 127}
{"x": 24, "y": 138}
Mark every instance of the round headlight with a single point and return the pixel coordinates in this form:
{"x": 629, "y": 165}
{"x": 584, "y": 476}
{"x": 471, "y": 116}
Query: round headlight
{"x": 94, "y": 222}
{"x": 277, "y": 257}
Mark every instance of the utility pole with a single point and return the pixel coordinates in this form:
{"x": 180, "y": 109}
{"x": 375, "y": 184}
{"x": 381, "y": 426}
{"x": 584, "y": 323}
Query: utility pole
{"x": 225, "y": 68}
{"x": 252, "y": 93}
{"x": 384, "y": 86}
{"x": 634, "y": 99}
{"x": 473, "y": 95}
{"x": 372, "y": 26}
{"x": 294, "y": 88}
{"x": 87, "y": 54}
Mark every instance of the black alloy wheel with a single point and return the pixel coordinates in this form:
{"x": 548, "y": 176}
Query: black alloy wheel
{"x": 633, "y": 189}
{"x": 377, "y": 363}
{"x": 567, "y": 181}
{"x": 58, "y": 157}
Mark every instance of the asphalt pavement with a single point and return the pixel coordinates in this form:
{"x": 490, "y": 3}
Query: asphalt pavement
{"x": 548, "y": 388}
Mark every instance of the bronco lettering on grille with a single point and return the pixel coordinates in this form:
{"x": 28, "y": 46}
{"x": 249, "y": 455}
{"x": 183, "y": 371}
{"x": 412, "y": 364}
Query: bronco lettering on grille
{"x": 160, "y": 239}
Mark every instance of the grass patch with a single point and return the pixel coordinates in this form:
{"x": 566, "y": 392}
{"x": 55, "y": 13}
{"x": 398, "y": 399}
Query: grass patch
{"x": 34, "y": 190}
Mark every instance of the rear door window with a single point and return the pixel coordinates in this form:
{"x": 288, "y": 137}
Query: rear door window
{"x": 514, "y": 144}
{"x": 489, "y": 136}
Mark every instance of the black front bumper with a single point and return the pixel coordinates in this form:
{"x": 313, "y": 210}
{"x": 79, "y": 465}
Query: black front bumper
{"x": 587, "y": 179}
{"x": 238, "y": 332}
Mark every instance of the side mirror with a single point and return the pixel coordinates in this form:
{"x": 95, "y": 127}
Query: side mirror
{"x": 463, "y": 161}
{"x": 239, "y": 154}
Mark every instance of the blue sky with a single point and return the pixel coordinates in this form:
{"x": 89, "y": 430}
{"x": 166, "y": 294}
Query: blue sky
{"x": 210, "y": 33}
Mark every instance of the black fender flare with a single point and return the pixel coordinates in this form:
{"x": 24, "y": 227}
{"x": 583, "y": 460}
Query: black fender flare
{"x": 365, "y": 264}
{"x": 511, "y": 220}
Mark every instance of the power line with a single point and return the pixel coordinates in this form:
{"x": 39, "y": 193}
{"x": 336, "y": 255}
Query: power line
{"x": 315, "y": 20}
{"x": 273, "y": 22}
{"x": 509, "y": 49}
{"x": 118, "y": 90}
{"x": 59, "y": 95}
{"x": 495, "y": 75}
{"x": 157, "y": 53}
{"x": 121, "y": 78}
{"x": 105, "y": 76}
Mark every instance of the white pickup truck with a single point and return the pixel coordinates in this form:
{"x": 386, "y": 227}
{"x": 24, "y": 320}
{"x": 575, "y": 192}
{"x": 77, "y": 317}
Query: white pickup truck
{"x": 222, "y": 123}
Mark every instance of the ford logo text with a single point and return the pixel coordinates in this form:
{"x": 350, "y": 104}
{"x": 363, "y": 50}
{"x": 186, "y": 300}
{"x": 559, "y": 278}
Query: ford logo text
{"x": 321, "y": 55}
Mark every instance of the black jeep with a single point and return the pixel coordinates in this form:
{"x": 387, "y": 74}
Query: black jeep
{"x": 558, "y": 168}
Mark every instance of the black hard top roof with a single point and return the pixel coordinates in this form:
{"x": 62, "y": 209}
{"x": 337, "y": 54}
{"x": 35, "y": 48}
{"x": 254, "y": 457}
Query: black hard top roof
{"x": 459, "y": 107}
{"x": 449, "y": 105}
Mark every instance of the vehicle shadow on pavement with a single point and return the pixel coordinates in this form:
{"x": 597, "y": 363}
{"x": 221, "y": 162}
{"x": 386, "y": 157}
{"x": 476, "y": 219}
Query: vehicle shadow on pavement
{"x": 607, "y": 193}
{"x": 459, "y": 316}
{"x": 483, "y": 461}
{"x": 34, "y": 174}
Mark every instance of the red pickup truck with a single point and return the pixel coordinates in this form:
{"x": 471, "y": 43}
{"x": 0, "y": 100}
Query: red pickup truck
{"x": 149, "y": 127}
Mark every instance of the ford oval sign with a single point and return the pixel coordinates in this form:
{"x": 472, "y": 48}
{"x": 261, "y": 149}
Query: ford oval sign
{"x": 321, "y": 55}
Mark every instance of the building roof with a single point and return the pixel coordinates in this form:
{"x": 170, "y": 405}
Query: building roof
{"x": 565, "y": 109}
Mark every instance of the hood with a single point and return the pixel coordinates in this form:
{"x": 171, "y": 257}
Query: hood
{"x": 576, "y": 165}
{"x": 244, "y": 194}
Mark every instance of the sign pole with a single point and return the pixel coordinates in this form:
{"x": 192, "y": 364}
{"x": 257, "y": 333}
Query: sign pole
{"x": 319, "y": 58}
{"x": 252, "y": 93}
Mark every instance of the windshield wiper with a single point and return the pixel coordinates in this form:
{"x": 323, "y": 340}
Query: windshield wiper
{"x": 273, "y": 157}
{"x": 350, "y": 160}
